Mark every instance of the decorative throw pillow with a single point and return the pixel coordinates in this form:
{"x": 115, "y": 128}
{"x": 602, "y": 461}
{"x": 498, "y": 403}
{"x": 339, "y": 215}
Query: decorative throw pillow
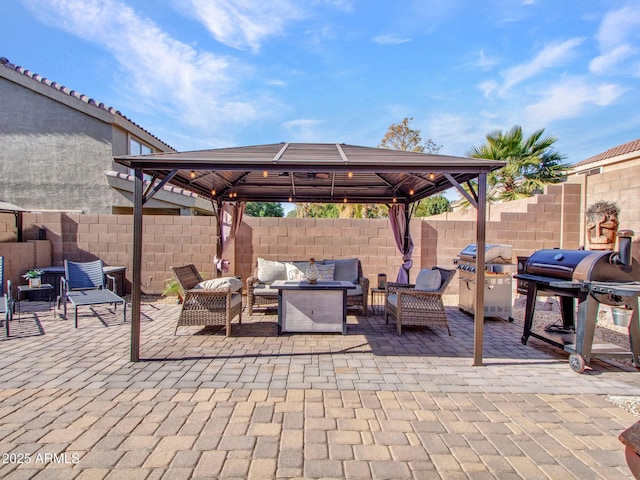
{"x": 294, "y": 272}
{"x": 219, "y": 284}
{"x": 346, "y": 270}
{"x": 325, "y": 272}
{"x": 428, "y": 280}
{"x": 270, "y": 271}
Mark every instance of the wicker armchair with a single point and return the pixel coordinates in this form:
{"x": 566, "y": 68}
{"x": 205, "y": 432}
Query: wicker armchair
{"x": 417, "y": 307}
{"x": 203, "y": 306}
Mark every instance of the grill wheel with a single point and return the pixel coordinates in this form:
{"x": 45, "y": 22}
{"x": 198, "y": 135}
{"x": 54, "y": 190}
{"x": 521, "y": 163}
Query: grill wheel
{"x": 577, "y": 363}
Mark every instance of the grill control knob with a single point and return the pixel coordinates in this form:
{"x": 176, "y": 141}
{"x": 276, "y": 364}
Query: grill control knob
{"x": 558, "y": 257}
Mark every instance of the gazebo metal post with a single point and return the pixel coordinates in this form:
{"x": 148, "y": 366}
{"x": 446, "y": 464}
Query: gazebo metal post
{"x": 136, "y": 287}
{"x": 19, "y": 217}
{"x": 480, "y": 256}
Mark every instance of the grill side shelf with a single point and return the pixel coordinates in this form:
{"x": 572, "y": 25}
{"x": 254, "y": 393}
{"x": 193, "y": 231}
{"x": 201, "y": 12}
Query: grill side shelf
{"x": 553, "y": 282}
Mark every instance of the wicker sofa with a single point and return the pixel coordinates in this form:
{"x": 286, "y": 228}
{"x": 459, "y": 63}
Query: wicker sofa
{"x": 260, "y": 293}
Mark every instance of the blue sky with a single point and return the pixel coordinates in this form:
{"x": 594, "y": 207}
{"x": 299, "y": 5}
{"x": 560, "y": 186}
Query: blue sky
{"x": 206, "y": 74}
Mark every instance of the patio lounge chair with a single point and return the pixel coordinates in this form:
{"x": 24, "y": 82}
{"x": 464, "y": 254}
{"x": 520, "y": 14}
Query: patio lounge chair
{"x": 416, "y": 306}
{"x": 210, "y": 302}
{"x": 83, "y": 284}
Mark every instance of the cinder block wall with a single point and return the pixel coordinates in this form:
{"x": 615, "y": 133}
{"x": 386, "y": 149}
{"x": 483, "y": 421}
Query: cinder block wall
{"x": 323, "y": 238}
{"x": 550, "y": 220}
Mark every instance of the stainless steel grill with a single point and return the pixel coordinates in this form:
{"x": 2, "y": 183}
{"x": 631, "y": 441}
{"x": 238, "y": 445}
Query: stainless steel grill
{"x": 591, "y": 277}
{"x": 497, "y": 282}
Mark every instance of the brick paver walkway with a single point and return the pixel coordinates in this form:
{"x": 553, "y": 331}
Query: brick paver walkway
{"x": 368, "y": 405}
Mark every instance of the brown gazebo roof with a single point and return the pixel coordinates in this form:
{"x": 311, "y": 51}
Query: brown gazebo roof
{"x": 311, "y": 172}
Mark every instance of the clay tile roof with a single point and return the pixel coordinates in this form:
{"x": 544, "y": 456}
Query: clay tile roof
{"x": 633, "y": 146}
{"x": 4, "y": 62}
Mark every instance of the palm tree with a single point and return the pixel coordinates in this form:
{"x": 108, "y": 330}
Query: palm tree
{"x": 532, "y": 163}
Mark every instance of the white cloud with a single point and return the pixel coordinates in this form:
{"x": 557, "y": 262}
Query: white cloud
{"x": 488, "y": 87}
{"x": 484, "y": 61}
{"x": 457, "y": 133}
{"x": 197, "y": 88}
{"x": 618, "y": 26}
{"x": 302, "y": 130}
{"x": 550, "y": 56}
{"x": 617, "y": 38}
{"x": 608, "y": 61}
{"x": 244, "y": 24}
{"x": 390, "y": 39}
{"x": 570, "y": 99}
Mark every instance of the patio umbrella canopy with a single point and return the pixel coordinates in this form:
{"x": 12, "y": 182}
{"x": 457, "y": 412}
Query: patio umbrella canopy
{"x": 307, "y": 172}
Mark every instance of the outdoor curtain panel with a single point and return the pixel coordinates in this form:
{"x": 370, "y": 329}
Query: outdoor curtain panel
{"x": 399, "y": 228}
{"x": 230, "y": 218}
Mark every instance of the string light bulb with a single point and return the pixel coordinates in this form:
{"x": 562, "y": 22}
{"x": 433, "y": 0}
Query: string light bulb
{"x": 344, "y": 200}
{"x": 213, "y": 192}
{"x": 411, "y": 192}
{"x": 265, "y": 174}
{"x": 394, "y": 199}
{"x": 192, "y": 174}
{"x": 290, "y": 199}
{"x": 432, "y": 176}
{"x": 350, "y": 174}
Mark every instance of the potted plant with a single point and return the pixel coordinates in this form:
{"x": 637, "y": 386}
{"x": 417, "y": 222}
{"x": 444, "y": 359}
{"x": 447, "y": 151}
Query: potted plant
{"x": 172, "y": 287}
{"x": 34, "y": 277}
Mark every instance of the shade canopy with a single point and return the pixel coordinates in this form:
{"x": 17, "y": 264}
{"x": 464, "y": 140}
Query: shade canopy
{"x": 307, "y": 172}
{"x": 311, "y": 172}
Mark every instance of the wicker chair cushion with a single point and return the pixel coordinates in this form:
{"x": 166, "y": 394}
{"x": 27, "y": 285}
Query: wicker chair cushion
{"x": 428, "y": 280}
{"x": 226, "y": 283}
{"x": 352, "y": 292}
{"x": 269, "y": 271}
{"x": 346, "y": 270}
{"x": 265, "y": 291}
{"x": 393, "y": 300}
{"x": 325, "y": 272}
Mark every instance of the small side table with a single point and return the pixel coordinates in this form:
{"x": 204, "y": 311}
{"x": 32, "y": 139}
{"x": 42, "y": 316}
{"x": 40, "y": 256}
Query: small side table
{"x": 377, "y": 300}
{"x": 27, "y": 290}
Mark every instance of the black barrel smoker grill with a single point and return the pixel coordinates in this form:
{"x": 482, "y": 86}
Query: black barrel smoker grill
{"x": 593, "y": 278}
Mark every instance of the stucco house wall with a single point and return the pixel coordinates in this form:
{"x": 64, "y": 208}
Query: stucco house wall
{"x": 57, "y": 148}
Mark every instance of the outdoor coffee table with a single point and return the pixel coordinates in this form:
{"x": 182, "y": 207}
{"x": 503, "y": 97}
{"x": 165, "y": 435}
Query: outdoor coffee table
{"x": 306, "y": 307}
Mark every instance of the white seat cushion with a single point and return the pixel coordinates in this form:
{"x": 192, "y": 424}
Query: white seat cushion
{"x": 224, "y": 283}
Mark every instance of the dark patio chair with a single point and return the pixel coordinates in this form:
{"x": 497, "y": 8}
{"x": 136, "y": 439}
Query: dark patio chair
{"x": 83, "y": 284}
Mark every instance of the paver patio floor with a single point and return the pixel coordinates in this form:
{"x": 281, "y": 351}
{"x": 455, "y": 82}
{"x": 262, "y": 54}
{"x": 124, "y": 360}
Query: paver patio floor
{"x": 257, "y": 405}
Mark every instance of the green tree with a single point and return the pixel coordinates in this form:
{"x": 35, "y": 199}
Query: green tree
{"x": 400, "y": 136}
{"x": 433, "y": 205}
{"x": 264, "y": 209}
{"x": 532, "y": 163}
